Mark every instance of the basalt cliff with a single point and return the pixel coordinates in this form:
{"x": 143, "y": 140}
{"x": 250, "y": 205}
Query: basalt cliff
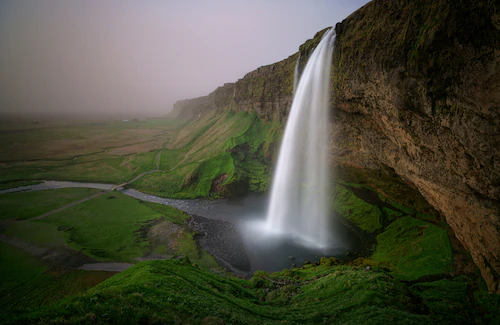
{"x": 415, "y": 93}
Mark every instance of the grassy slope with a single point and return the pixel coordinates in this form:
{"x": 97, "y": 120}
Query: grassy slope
{"x": 365, "y": 216}
{"x": 14, "y": 205}
{"x": 234, "y": 144}
{"x": 116, "y": 229}
{"x": 27, "y": 282}
{"x": 193, "y": 154}
{"x": 160, "y": 292}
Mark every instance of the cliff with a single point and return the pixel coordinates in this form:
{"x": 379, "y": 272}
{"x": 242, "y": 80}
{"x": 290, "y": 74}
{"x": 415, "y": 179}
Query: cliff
{"x": 417, "y": 87}
{"x": 266, "y": 91}
{"x": 415, "y": 92}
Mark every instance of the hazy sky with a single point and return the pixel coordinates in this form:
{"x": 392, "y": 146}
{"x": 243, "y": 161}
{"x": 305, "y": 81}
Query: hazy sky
{"x": 100, "y": 56}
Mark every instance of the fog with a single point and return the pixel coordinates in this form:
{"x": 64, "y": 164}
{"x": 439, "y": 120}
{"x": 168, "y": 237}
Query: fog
{"x": 99, "y": 57}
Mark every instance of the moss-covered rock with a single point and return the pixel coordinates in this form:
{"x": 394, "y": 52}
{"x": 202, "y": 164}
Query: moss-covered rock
{"x": 367, "y": 217}
{"x": 413, "y": 248}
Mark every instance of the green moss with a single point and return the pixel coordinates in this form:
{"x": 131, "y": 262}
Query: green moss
{"x": 409, "y": 210}
{"x": 413, "y": 248}
{"x": 450, "y": 302}
{"x": 390, "y": 188}
{"x": 365, "y": 216}
{"x": 174, "y": 215}
{"x": 391, "y": 214}
{"x": 189, "y": 247}
{"x": 166, "y": 291}
{"x": 176, "y": 291}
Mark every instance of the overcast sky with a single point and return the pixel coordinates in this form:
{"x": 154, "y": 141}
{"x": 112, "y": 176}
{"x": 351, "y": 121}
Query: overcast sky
{"x": 95, "y": 56}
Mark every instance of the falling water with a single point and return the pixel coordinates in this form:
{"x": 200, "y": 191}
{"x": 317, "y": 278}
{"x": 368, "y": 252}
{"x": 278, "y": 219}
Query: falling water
{"x": 300, "y": 189}
{"x": 296, "y": 75}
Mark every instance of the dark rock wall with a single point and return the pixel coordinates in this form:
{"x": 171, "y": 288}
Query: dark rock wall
{"x": 417, "y": 85}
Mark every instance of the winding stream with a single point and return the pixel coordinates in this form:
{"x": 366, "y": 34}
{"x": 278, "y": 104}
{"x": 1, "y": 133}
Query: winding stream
{"x": 229, "y": 234}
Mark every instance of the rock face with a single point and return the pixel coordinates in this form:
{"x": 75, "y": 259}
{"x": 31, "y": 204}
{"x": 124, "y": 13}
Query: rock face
{"x": 416, "y": 87}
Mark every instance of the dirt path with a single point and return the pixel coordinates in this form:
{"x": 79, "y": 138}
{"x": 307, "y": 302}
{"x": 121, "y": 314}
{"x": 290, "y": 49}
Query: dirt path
{"x": 158, "y": 159}
{"x": 65, "y": 256}
{"x": 109, "y": 266}
{"x": 68, "y": 205}
{"x": 25, "y": 246}
{"x": 140, "y": 175}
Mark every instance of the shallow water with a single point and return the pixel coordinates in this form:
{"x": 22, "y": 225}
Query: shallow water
{"x": 235, "y": 234}
{"x": 234, "y": 231}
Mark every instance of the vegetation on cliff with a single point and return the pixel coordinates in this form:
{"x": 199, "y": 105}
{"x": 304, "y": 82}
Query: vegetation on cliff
{"x": 416, "y": 85}
{"x": 216, "y": 155}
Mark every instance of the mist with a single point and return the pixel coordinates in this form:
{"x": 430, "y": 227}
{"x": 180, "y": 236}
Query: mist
{"x": 138, "y": 57}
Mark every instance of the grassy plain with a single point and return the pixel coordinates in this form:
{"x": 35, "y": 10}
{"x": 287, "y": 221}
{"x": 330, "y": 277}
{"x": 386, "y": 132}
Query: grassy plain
{"x": 113, "y": 151}
{"x": 25, "y": 205}
{"x": 189, "y": 155}
{"x": 113, "y": 227}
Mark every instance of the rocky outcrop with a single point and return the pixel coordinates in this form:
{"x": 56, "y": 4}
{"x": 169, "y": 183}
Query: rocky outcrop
{"x": 416, "y": 91}
{"x": 417, "y": 87}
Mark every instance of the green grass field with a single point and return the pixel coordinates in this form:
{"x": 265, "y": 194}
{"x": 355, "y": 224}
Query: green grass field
{"x": 110, "y": 227}
{"x": 102, "y": 152}
{"x": 104, "y": 227}
{"x": 25, "y": 205}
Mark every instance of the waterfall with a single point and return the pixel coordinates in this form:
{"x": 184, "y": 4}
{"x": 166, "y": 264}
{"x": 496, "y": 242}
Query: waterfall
{"x": 296, "y": 75}
{"x": 300, "y": 188}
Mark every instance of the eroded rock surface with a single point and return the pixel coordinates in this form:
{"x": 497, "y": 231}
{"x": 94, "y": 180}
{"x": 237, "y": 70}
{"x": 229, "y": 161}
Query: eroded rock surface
{"x": 418, "y": 90}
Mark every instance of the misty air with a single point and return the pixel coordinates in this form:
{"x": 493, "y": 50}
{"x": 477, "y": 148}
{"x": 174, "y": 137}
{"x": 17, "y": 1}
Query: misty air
{"x": 236, "y": 162}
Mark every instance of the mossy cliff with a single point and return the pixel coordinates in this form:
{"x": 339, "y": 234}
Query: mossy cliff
{"x": 416, "y": 91}
{"x": 417, "y": 87}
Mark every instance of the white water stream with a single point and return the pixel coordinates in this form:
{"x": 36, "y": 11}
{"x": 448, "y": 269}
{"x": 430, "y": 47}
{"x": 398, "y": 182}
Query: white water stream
{"x": 300, "y": 188}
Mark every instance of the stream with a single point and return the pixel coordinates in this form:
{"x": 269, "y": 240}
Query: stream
{"x": 231, "y": 231}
